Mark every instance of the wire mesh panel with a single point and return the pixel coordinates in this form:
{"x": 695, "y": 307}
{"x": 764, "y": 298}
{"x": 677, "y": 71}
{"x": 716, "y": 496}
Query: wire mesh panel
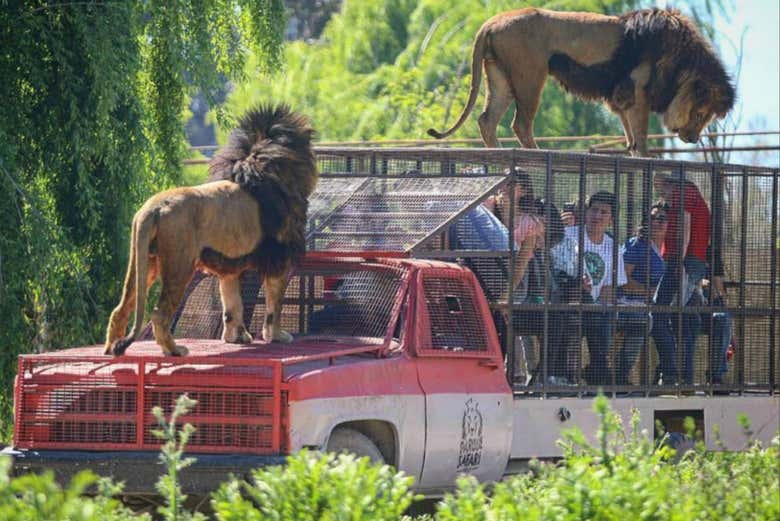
{"x": 51, "y": 409}
{"x": 353, "y": 304}
{"x": 332, "y": 298}
{"x": 456, "y": 323}
{"x": 394, "y": 214}
{"x": 329, "y": 195}
{"x": 97, "y": 403}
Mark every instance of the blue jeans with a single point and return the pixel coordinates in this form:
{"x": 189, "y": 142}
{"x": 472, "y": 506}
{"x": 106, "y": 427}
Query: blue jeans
{"x": 564, "y": 355}
{"x": 665, "y": 324}
{"x": 634, "y": 328}
{"x": 722, "y": 330}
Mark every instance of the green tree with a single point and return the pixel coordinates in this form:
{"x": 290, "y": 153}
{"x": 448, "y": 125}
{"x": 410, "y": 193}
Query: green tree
{"x": 94, "y": 98}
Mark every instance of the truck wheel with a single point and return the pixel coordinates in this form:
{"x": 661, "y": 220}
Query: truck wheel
{"x": 344, "y": 439}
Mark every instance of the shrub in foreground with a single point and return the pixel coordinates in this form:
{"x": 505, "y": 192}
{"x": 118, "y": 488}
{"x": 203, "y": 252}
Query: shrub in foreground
{"x": 314, "y": 486}
{"x": 39, "y": 498}
{"x": 624, "y": 475}
{"x": 627, "y": 476}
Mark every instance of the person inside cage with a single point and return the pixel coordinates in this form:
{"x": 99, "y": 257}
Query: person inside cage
{"x": 644, "y": 265}
{"x": 718, "y": 324}
{"x": 685, "y": 255}
{"x": 594, "y": 284}
{"x": 486, "y": 228}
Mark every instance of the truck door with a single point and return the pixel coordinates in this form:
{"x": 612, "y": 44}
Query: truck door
{"x": 468, "y": 402}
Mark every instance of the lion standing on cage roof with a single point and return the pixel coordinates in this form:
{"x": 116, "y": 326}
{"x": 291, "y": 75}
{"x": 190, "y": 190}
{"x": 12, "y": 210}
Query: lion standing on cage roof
{"x": 252, "y": 215}
{"x": 649, "y": 60}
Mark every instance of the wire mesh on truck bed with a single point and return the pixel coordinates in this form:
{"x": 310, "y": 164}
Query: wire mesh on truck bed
{"x": 96, "y": 403}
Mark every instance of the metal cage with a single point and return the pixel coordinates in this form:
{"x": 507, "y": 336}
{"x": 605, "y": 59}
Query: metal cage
{"x": 426, "y": 202}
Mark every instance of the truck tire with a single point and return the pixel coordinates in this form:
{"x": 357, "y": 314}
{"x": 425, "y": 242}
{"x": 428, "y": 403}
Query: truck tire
{"x": 344, "y": 439}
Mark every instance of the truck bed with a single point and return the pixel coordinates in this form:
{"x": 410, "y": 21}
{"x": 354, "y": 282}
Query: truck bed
{"x": 80, "y": 398}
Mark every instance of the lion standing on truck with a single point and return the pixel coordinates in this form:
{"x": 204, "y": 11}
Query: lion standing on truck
{"x": 649, "y": 60}
{"x": 251, "y": 216}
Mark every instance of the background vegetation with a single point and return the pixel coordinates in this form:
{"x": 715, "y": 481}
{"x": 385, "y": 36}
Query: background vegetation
{"x": 96, "y": 96}
{"x": 94, "y": 100}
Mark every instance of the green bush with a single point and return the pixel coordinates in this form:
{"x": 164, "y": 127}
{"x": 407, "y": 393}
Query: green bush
{"x": 623, "y": 476}
{"x": 316, "y": 487}
{"x": 626, "y": 476}
{"x": 39, "y": 498}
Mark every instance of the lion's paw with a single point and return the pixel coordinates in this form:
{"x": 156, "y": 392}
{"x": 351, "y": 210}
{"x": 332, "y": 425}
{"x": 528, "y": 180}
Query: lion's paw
{"x": 241, "y": 337}
{"x": 178, "y": 351}
{"x": 281, "y": 336}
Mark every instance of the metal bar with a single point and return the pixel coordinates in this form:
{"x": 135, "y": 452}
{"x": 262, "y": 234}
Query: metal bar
{"x": 394, "y": 215}
{"x": 615, "y": 253}
{"x": 276, "y": 431}
{"x": 580, "y": 256}
{"x": 715, "y": 250}
{"x": 693, "y": 150}
{"x": 509, "y": 339}
{"x": 630, "y": 210}
{"x": 645, "y": 378}
{"x": 681, "y": 252}
{"x": 380, "y": 233}
{"x": 302, "y": 287}
{"x": 742, "y": 271}
{"x": 773, "y": 285}
{"x": 548, "y": 194}
{"x": 140, "y": 400}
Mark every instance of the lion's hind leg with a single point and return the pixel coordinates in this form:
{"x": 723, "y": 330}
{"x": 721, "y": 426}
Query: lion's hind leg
{"x": 120, "y": 316}
{"x": 175, "y": 277}
{"x": 498, "y": 96}
{"x": 528, "y": 86}
{"x": 275, "y": 287}
{"x": 233, "y": 328}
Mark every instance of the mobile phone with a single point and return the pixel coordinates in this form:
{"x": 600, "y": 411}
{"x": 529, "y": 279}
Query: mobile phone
{"x": 569, "y": 207}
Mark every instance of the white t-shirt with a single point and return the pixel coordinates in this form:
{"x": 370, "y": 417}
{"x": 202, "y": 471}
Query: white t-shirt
{"x": 597, "y": 259}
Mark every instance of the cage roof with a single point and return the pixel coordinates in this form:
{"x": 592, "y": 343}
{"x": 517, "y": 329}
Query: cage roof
{"x": 396, "y": 213}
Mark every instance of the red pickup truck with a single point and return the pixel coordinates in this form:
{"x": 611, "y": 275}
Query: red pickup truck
{"x": 397, "y": 359}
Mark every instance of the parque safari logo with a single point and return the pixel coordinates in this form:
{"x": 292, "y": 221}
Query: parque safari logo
{"x": 471, "y": 437}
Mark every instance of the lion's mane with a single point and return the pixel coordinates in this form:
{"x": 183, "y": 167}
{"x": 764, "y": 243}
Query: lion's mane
{"x": 667, "y": 40}
{"x": 269, "y": 155}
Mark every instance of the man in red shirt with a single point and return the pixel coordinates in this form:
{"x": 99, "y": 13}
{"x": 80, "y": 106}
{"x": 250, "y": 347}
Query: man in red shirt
{"x": 688, "y": 232}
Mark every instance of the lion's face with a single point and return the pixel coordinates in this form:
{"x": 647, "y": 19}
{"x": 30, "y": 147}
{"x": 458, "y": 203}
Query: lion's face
{"x": 695, "y": 105}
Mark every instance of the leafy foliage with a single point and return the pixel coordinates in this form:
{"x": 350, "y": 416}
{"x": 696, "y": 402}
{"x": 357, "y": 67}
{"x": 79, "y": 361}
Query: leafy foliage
{"x": 172, "y": 456}
{"x": 627, "y": 476}
{"x": 39, "y": 498}
{"x": 92, "y": 123}
{"x": 317, "y": 487}
{"x": 623, "y": 475}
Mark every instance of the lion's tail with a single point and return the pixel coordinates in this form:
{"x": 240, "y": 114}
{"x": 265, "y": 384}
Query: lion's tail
{"x": 144, "y": 228}
{"x": 477, "y": 55}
